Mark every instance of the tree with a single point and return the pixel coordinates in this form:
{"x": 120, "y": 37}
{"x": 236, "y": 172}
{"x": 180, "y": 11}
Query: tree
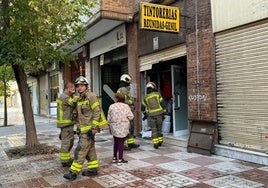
{"x": 6, "y": 74}
{"x": 31, "y": 36}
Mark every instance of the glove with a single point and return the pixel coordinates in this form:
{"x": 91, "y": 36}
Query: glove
{"x": 74, "y": 104}
{"x": 74, "y": 115}
{"x": 145, "y": 116}
{"x": 90, "y": 136}
{"x": 132, "y": 107}
{"x": 78, "y": 131}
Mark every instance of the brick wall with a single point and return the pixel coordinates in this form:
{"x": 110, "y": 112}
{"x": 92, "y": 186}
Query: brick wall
{"x": 117, "y": 9}
{"x": 133, "y": 69}
{"x": 201, "y": 66}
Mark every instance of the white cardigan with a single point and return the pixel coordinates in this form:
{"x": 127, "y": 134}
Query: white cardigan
{"x": 118, "y": 118}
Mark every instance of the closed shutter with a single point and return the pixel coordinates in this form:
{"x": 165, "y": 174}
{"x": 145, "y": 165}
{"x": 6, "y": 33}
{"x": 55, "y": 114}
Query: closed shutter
{"x": 147, "y": 61}
{"x": 242, "y": 86}
{"x": 124, "y": 67}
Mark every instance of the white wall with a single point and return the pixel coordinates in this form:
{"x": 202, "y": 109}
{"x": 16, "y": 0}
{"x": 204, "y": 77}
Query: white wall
{"x": 227, "y": 14}
{"x": 32, "y": 83}
{"x": 43, "y": 93}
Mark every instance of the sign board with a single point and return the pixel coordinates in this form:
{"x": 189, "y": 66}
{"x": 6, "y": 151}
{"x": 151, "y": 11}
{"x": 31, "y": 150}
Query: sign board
{"x": 112, "y": 40}
{"x": 159, "y": 17}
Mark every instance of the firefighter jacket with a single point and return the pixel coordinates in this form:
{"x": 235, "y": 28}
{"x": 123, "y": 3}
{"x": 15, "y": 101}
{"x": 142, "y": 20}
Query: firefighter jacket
{"x": 65, "y": 107}
{"x": 125, "y": 91}
{"x": 88, "y": 111}
{"x": 154, "y": 103}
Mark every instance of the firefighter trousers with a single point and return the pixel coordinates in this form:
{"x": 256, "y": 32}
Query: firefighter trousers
{"x": 85, "y": 150}
{"x": 130, "y": 139}
{"x": 155, "y": 122}
{"x": 67, "y": 142}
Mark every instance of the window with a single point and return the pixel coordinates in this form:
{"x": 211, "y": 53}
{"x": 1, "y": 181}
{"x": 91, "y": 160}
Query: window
{"x": 54, "y": 87}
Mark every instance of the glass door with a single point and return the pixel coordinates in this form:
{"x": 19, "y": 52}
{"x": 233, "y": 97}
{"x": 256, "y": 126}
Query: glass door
{"x": 179, "y": 101}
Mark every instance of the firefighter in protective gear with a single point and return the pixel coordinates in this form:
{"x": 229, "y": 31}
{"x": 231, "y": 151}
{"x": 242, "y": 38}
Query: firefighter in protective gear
{"x": 65, "y": 107}
{"x": 88, "y": 112}
{"x": 124, "y": 88}
{"x": 154, "y": 103}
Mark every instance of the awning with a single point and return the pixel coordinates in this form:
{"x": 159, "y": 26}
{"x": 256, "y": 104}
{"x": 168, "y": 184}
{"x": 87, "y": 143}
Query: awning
{"x": 147, "y": 61}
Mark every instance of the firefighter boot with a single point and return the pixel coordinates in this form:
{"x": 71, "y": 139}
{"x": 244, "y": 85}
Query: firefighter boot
{"x": 127, "y": 148}
{"x": 70, "y": 176}
{"x": 160, "y": 140}
{"x": 67, "y": 163}
{"x": 90, "y": 172}
{"x": 156, "y": 146}
{"x": 133, "y": 145}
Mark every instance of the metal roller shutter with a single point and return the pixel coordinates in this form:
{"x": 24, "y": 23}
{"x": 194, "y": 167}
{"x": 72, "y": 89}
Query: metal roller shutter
{"x": 242, "y": 86}
{"x": 147, "y": 61}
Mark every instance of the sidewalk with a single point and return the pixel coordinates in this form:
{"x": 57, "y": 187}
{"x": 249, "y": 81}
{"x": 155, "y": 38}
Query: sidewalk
{"x": 168, "y": 166}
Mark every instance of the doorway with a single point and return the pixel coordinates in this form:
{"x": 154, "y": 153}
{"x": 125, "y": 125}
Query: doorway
{"x": 179, "y": 101}
{"x": 171, "y": 79}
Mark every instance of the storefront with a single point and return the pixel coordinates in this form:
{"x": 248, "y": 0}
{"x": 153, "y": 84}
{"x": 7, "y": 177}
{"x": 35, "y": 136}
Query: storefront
{"x": 108, "y": 56}
{"x": 242, "y": 69}
{"x": 167, "y": 69}
{"x": 162, "y": 57}
{"x": 241, "y": 76}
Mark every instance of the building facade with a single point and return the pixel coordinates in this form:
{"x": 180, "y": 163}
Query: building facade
{"x": 203, "y": 71}
{"x": 241, "y": 77}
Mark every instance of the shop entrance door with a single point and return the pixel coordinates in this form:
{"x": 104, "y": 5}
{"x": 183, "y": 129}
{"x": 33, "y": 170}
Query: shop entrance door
{"x": 179, "y": 101}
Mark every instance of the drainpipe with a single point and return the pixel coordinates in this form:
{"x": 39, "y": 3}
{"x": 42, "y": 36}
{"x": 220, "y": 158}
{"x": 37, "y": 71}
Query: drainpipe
{"x": 197, "y": 62}
{"x": 145, "y": 82}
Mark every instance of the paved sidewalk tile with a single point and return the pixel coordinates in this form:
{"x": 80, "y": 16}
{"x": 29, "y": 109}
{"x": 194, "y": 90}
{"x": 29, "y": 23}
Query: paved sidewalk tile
{"x": 168, "y": 166}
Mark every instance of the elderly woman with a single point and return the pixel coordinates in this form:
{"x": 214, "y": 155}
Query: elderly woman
{"x": 119, "y": 116}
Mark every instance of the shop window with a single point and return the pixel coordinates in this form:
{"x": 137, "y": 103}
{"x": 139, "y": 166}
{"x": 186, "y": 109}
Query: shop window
{"x": 54, "y": 87}
{"x": 111, "y": 74}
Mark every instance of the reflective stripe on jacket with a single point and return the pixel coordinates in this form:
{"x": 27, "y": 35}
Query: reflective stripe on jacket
{"x": 153, "y": 103}
{"x": 103, "y": 121}
{"x": 89, "y": 111}
{"x": 65, "y": 107}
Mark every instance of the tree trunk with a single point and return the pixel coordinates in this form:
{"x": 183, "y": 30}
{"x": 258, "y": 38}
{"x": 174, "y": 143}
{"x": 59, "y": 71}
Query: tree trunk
{"x": 21, "y": 78}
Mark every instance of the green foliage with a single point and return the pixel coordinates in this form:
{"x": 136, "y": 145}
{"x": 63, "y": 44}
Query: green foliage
{"x": 1, "y": 89}
{"x": 32, "y": 31}
{"x": 6, "y": 75}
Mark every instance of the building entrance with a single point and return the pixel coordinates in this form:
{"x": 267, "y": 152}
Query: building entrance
{"x": 171, "y": 80}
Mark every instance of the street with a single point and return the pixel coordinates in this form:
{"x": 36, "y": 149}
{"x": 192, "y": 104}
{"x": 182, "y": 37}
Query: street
{"x": 168, "y": 166}
{"x": 16, "y": 123}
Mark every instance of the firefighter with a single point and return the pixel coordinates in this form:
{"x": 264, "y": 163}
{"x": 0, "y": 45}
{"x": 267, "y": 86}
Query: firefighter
{"x": 89, "y": 113}
{"x": 65, "y": 107}
{"x": 154, "y": 103}
{"x": 124, "y": 88}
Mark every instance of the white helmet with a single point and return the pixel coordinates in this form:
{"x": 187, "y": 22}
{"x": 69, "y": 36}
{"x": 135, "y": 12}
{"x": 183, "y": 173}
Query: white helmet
{"x": 81, "y": 80}
{"x": 125, "y": 78}
{"x": 151, "y": 85}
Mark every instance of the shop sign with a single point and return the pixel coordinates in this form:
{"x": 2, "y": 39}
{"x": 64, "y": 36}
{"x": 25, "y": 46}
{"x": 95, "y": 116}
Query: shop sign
{"x": 159, "y": 17}
{"x": 112, "y": 40}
